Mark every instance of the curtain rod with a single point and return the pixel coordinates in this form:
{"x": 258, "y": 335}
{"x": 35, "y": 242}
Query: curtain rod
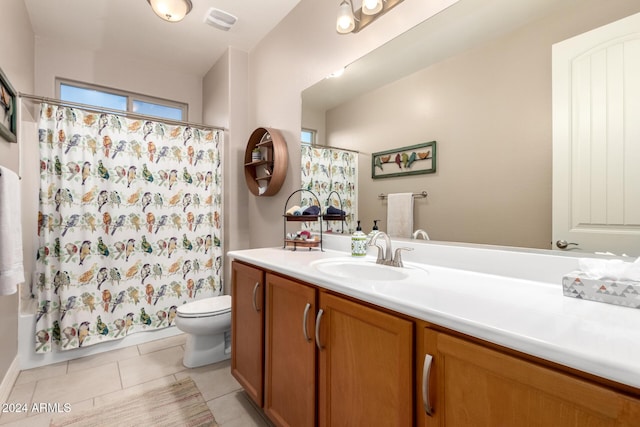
{"x": 330, "y": 146}
{"x": 129, "y": 114}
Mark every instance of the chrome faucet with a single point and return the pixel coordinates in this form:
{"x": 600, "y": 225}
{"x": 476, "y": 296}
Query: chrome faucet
{"x": 386, "y": 255}
{"x": 420, "y": 233}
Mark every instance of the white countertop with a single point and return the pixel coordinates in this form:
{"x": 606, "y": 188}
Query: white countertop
{"x": 531, "y": 316}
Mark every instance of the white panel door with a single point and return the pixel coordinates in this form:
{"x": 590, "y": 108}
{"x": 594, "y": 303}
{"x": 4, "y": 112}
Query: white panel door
{"x": 596, "y": 140}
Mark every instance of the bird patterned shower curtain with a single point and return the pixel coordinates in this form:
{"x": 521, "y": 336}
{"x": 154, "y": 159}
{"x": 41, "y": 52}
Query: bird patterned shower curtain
{"x": 129, "y": 225}
{"x": 331, "y": 169}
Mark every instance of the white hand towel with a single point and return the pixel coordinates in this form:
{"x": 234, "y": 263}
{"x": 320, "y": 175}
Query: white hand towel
{"x": 400, "y": 214}
{"x": 11, "y": 265}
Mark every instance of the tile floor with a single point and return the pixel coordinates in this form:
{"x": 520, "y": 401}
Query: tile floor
{"x": 95, "y": 380}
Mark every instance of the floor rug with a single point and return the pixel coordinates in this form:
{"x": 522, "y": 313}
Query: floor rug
{"x": 178, "y": 404}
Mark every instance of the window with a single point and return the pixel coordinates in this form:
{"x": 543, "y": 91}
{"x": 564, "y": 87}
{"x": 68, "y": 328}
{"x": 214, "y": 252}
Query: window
{"x": 157, "y": 110}
{"x": 93, "y": 97}
{"x": 98, "y": 96}
{"x": 308, "y": 136}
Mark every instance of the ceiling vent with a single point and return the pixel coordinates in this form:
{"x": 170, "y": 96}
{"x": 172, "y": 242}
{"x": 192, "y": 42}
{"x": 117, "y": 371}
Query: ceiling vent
{"x": 219, "y": 19}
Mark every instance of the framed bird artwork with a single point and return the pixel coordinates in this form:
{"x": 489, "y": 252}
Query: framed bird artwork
{"x": 412, "y": 160}
{"x": 7, "y": 109}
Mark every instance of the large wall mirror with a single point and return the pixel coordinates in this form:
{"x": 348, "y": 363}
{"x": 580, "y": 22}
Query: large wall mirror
{"x": 476, "y": 79}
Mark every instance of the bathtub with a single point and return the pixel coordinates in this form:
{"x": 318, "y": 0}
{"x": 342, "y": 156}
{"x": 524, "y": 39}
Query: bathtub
{"x": 28, "y": 358}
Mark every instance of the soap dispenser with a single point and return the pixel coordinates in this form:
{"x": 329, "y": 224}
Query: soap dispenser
{"x": 374, "y": 230}
{"x": 358, "y": 242}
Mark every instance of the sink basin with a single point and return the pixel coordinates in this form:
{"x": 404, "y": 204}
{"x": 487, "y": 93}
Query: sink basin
{"x": 357, "y": 269}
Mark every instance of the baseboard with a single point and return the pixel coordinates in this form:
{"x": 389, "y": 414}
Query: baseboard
{"x": 9, "y": 380}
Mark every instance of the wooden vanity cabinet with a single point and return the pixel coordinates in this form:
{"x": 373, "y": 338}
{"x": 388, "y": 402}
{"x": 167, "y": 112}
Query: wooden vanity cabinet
{"x": 330, "y": 360}
{"x": 247, "y": 329}
{"x": 290, "y": 370}
{"x": 365, "y": 366}
{"x": 473, "y": 385}
{"x": 362, "y": 370}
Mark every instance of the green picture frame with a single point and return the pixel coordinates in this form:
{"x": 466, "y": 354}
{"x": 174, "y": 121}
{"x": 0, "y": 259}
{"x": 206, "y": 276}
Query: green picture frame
{"x": 8, "y": 104}
{"x": 412, "y": 160}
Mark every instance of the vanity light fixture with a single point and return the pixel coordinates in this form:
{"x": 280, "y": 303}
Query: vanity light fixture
{"x": 351, "y": 22}
{"x": 171, "y": 10}
{"x": 346, "y": 20}
{"x": 371, "y": 7}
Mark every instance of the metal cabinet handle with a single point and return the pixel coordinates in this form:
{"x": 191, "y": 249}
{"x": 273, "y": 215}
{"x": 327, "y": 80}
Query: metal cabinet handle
{"x": 305, "y": 316}
{"x": 318, "y": 317}
{"x": 255, "y": 294}
{"x": 426, "y": 375}
{"x": 562, "y": 244}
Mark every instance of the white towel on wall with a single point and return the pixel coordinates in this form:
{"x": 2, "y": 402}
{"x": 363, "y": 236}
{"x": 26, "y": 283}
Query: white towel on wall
{"x": 11, "y": 264}
{"x": 400, "y": 214}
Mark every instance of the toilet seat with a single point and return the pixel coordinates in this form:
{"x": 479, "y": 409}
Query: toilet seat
{"x": 206, "y": 307}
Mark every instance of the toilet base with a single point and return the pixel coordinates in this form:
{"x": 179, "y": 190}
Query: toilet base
{"x": 203, "y": 350}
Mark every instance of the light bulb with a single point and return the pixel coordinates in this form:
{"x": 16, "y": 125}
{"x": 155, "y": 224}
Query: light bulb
{"x": 371, "y": 7}
{"x": 346, "y": 21}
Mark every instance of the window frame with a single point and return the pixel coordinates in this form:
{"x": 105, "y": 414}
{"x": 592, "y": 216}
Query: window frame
{"x": 130, "y": 97}
{"x": 312, "y": 132}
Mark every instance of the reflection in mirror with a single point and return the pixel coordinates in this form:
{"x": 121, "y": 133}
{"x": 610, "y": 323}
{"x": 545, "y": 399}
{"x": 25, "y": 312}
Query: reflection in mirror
{"x": 331, "y": 174}
{"x": 477, "y": 79}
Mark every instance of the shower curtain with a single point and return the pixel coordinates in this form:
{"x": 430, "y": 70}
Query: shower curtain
{"x": 331, "y": 169}
{"x": 129, "y": 225}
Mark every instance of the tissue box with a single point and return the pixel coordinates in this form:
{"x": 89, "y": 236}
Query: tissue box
{"x": 618, "y": 292}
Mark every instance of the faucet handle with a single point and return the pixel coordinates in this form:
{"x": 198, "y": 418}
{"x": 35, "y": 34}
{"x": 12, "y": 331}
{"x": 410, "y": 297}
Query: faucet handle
{"x": 380, "y": 259}
{"x": 397, "y": 258}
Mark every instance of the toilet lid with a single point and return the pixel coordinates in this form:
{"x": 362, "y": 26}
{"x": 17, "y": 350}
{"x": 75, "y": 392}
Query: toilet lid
{"x": 211, "y": 306}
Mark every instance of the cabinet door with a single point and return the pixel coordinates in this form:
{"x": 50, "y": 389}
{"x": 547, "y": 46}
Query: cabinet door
{"x": 247, "y": 328}
{"x": 365, "y": 365}
{"x": 472, "y": 385}
{"x": 290, "y": 353}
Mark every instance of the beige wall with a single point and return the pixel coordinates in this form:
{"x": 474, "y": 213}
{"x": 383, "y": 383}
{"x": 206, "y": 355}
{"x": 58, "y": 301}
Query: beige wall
{"x": 16, "y": 60}
{"x": 488, "y": 108}
{"x": 225, "y": 103}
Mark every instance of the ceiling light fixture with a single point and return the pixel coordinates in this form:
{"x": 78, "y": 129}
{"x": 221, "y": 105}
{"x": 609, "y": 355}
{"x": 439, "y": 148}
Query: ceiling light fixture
{"x": 351, "y": 22}
{"x": 171, "y": 10}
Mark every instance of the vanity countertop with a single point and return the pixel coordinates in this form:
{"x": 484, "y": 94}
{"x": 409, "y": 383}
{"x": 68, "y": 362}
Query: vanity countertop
{"x": 526, "y": 315}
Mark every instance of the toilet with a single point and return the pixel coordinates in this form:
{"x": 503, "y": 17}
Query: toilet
{"x": 207, "y": 323}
